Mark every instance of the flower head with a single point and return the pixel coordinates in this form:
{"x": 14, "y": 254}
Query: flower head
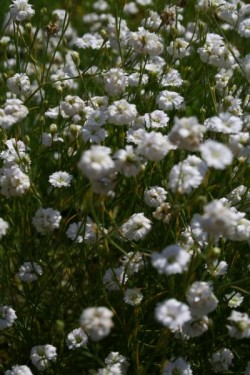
{"x": 7, "y": 317}
{"x": 42, "y": 355}
{"x": 21, "y": 10}
{"x": 60, "y": 179}
{"x": 96, "y": 322}
{"x": 77, "y": 338}
{"x": 19, "y": 370}
{"x": 136, "y": 228}
{"x": 172, "y": 314}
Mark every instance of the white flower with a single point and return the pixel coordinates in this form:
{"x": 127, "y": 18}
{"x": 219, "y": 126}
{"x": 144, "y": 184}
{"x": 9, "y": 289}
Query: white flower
{"x": 6, "y": 121}
{"x": 127, "y": 161}
{"x": 89, "y": 40}
{"x": 244, "y": 28}
{"x": 179, "y": 48}
{"x": 61, "y": 80}
{"x": 187, "y": 175}
{"x": 234, "y": 299}
{"x": 19, "y": 84}
{"x": 144, "y": 42}
{"x": 76, "y": 339}
{"x": 21, "y": 10}
{"x": 136, "y": 78}
{"x": 104, "y": 185}
{"x": 72, "y": 105}
{"x": 4, "y": 226}
{"x": 218, "y": 268}
{"x": 29, "y": 271}
{"x": 240, "y": 325}
{"x": 13, "y": 182}
{"x": 172, "y": 314}
{"x": 197, "y": 231}
{"x": 93, "y": 133}
{"x": 167, "y": 100}
{"x": 178, "y": 367}
{"x": 96, "y": 162}
{"x": 96, "y": 322}
{"x": 196, "y": 326}
{"x": 186, "y": 133}
{"x": 15, "y": 153}
{"x": 144, "y": 3}
{"x": 84, "y": 231}
{"x": 216, "y": 154}
{"x": 19, "y": 370}
{"x": 117, "y": 41}
{"x": 241, "y": 231}
{"x": 60, "y": 179}
{"x": 172, "y": 78}
{"x": 163, "y": 212}
{"x": 228, "y": 12}
{"x": 97, "y": 117}
{"x": 133, "y": 297}
{"x": 135, "y": 136}
{"x": 155, "y": 65}
{"x": 152, "y": 22}
{"x": 42, "y": 355}
{"x": 156, "y": 119}
{"x": 231, "y": 104}
{"x": 236, "y": 195}
{"x": 7, "y": 317}
{"x": 218, "y": 219}
{"x": 222, "y": 79}
{"x": 224, "y": 123}
{"x": 117, "y": 363}
{"x": 172, "y": 260}
{"x": 216, "y": 53}
{"x": 130, "y": 8}
{"x": 46, "y": 220}
{"x": 136, "y": 228}
{"x": 114, "y": 278}
{"x": 222, "y": 360}
{"x": 154, "y": 146}
{"x": 13, "y": 111}
{"x": 101, "y": 5}
{"x": 115, "y": 81}
{"x": 132, "y": 262}
{"x": 121, "y": 112}
{"x": 155, "y": 196}
{"x": 201, "y": 299}
{"x": 246, "y": 66}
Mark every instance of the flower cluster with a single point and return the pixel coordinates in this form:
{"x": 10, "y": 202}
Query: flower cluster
{"x": 124, "y": 187}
